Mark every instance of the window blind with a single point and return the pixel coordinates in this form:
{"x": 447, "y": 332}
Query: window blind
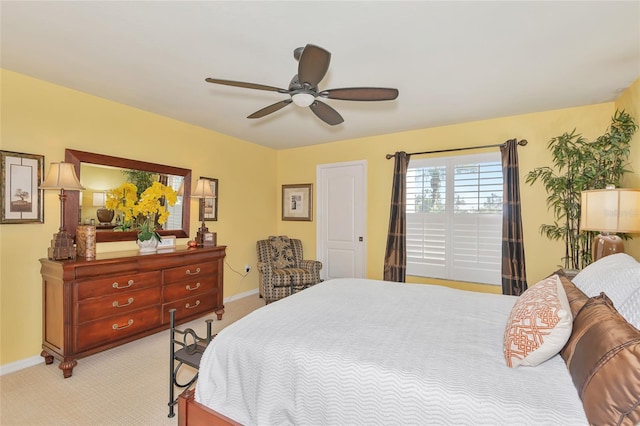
{"x": 454, "y": 218}
{"x": 174, "y": 221}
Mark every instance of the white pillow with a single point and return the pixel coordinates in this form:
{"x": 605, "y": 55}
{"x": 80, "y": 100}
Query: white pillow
{"x": 630, "y": 308}
{"x": 618, "y": 276}
{"x": 539, "y": 325}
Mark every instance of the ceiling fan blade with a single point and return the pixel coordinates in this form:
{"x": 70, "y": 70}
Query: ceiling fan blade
{"x": 271, "y": 108}
{"x": 245, "y": 85}
{"x": 326, "y": 113}
{"x": 361, "y": 94}
{"x": 313, "y": 64}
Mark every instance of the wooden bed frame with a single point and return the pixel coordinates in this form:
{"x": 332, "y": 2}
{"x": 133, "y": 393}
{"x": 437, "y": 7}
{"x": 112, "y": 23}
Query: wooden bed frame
{"x": 192, "y": 413}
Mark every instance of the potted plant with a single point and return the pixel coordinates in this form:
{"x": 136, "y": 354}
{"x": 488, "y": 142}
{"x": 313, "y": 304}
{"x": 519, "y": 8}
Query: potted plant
{"x": 140, "y": 178}
{"x": 151, "y": 206}
{"x": 579, "y": 164}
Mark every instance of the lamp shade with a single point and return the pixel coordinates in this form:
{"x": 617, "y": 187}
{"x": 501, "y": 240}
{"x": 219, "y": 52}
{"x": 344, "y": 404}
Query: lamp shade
{"x": 610, "y": 210}
{"x": 203, "y": 189}
{"x": 99, "y": 199}
{"x": 62, "y": 176}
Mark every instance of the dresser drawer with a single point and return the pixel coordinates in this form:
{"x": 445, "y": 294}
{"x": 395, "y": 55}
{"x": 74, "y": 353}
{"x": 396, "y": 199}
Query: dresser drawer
{"x": 95, "y": 270}
{"x": 112, "y": 329}
{"x": 115, "y": 304}
{"x": 197, "y": 270}
{"x": 190, "y": 306}
{"x": 188, "y": 288}
{"x": 119, "y": 284}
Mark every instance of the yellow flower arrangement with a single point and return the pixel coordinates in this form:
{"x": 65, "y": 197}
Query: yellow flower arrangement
{"x": 149, "y": 206}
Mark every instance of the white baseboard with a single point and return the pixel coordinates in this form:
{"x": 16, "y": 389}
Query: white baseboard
{"x": 240, "y": 295}
{"x": 19, "y": 365}
{"x": 35, "y": 360}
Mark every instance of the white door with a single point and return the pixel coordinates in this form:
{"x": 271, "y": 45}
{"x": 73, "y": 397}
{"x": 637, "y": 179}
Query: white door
{"x": 341, "y": 219}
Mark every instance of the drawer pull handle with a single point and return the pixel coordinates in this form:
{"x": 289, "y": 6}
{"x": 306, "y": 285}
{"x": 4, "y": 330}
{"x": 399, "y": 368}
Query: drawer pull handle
{"x": 193, "y": 288}
{"x": 116, "y": 285}
{"x": 193, "y": 273}
{"x": 117, "y": 327}
{"x": 188, "y": 305}
{"x": 116, "y": 304}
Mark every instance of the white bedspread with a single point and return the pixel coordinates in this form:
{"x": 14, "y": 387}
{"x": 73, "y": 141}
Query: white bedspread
{"x": 356, "y": 352}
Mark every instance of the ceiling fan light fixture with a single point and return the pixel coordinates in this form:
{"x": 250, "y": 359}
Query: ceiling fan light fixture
{"x": 313, "y": 64}
{"x": 303, "y": 99}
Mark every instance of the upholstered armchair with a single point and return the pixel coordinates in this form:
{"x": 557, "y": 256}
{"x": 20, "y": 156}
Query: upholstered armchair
{"x": 282, "y": 269}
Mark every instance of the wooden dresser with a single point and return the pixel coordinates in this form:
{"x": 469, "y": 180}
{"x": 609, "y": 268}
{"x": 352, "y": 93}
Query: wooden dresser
{"x": 93, "y": 305}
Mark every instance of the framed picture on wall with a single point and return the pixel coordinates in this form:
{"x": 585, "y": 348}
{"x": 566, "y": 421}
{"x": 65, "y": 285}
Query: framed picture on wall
{"x": 209, "y": 206}
{"x": 297, "y": 202}
{"x": 21, "y": 196}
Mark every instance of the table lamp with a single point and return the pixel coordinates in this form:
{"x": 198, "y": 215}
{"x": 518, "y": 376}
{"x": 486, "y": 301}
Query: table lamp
{"x": 62, "y": 176}
{"x": 610, "y": 211}
{"x": 202, "y": 191}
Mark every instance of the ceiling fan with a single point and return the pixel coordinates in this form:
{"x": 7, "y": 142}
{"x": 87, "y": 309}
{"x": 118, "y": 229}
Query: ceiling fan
{"x": 313, "y": 63}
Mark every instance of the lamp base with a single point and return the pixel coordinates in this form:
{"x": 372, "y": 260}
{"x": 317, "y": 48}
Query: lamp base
{"x": 62, "y": 247}
{"x": 606, "y": 244}
{"x": 200, "y": 235}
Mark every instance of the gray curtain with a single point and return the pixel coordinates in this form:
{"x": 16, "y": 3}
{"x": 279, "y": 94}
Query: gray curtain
{"x": 514, "y": 276}
{"x": 395, "y": 258}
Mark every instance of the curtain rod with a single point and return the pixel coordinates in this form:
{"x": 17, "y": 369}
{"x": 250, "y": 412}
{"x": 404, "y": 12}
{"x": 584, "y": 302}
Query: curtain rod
{"x": 522, "y": 142}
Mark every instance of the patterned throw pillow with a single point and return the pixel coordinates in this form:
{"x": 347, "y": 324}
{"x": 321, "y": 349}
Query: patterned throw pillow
{"x": 281, "y": 252}
{"x": 539, "y": 324}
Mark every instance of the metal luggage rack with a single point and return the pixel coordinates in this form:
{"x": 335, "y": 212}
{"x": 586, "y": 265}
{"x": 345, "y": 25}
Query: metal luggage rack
{"x": 190, "y": 353}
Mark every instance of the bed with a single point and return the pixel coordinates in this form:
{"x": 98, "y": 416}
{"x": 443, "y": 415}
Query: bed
{"x": 356, "y": 351}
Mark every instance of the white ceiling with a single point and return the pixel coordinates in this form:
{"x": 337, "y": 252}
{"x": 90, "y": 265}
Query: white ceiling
{"x": 451, "y": 61}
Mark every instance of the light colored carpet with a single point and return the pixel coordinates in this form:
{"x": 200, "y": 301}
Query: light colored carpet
{"x": 127, "y": 385}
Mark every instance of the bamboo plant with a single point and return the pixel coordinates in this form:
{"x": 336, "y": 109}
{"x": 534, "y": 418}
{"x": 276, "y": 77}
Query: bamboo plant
{"x": 578, "y": 165}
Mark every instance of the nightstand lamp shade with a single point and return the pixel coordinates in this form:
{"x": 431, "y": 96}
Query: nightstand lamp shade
{"x": 62, "y": 176}
{"x": 202, "y": 191}
{"x": 105, "y": 216}
{"x": 610, "y": 211}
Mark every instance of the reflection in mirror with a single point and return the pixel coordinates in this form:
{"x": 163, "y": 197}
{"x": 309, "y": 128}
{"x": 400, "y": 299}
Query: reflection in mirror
{"x": 98, "y": 179}
{"x": 100, "y": 173}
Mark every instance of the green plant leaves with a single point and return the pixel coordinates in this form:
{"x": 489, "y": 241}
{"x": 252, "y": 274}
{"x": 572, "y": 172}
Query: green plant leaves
{"x": 578, "y": 165}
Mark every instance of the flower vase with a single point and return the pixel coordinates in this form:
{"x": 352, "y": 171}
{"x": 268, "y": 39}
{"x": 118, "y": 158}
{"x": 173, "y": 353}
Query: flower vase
{"x": 147, "y": 246}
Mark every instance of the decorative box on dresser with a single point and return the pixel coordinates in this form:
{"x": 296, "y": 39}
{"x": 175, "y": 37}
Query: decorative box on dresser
{"x": 90, "y": 305}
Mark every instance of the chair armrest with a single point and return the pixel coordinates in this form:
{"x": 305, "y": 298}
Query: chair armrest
{"x": 264, "y": 268}
{"x": 312, "y": 265}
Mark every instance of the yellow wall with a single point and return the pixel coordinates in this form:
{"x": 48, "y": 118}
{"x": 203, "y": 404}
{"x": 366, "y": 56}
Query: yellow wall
{"x": 41, "y": 118}
{"x": 629, "y": 101}
{"x": 96, "y": 179}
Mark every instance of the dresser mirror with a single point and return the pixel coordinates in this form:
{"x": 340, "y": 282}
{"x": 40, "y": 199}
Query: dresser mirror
{"x": 98, "y": 173}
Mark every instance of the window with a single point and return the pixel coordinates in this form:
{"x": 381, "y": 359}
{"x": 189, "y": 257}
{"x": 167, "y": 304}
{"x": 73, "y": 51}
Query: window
{"x": 454, "y": 218}
{"x": 174, "y": 221}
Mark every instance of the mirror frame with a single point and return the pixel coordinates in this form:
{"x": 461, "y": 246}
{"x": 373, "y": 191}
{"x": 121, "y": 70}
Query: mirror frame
{"x": 71, "y": 218}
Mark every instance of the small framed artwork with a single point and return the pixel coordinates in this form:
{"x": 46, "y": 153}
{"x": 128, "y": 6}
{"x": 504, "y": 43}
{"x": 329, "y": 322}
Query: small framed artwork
{"x": 209, "y": 207}
{"x": 297, "y": 202}
{"x": 21, "y": 196}
{"x": 167, "y": 242}
{"x": 209, "y": 239}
